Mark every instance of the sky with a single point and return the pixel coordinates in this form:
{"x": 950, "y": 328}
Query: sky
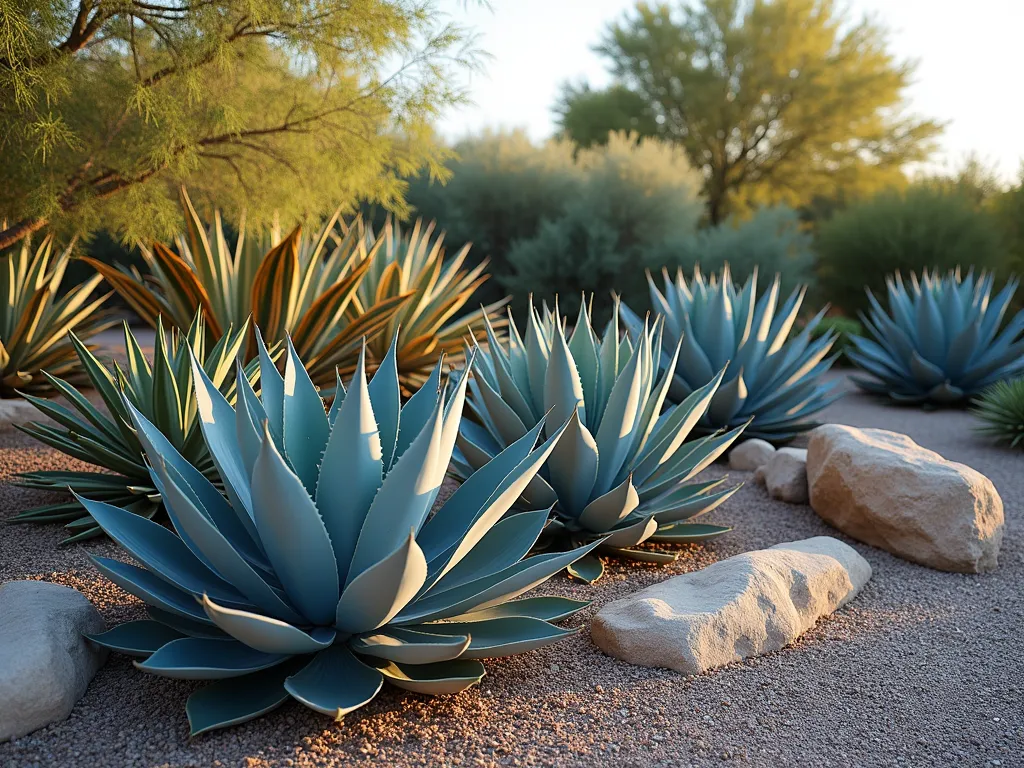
{"x": 969, "y": 54}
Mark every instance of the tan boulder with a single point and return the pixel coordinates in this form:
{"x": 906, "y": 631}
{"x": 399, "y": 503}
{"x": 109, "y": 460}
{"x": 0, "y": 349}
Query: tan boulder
{"x": 884, "y": 489}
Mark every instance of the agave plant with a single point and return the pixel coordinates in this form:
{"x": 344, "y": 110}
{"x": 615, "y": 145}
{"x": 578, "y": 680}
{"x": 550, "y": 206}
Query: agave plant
{"x": 621, "y": 468}
{"x": 769, "y": 377}
{"x": 323, "y": 573}
{"x": 1001, "y": 410}
{"x": 292, "y": 286}
{"x": 429, "y": 323}
{"x": 109, "y": 441}
{"x": 940, "y": 343}
{"x": 35, "y": 321}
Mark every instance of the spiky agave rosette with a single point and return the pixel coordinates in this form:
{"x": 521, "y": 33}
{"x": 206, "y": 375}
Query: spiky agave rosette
{"x": 323, "y": 573}
{"x": 769, "y": 377}
{"x": 940, "y": 343}
{"x": 108, "y": 440}
{"x": 621, "y": 469}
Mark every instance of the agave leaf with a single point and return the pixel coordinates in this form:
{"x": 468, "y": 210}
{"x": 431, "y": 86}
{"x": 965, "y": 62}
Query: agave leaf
{"x": 377, "y": 594}
{"x": 294, "y": 536}
{"x": 407, "y": 646}
{"x": 631, "y": 534}
{"x": 195, "y": 658}
{"x": 547, "y": 608}
{"x": 604, "y": 512}
{"x": 573, "y": 465}
{"x": 445, "y": 677}
{"x": 386, "y": 400}
{"x": 335, "y": 682}
{"x": 136, "y": 638}
{"x": 148, "y": 588}
{"x": 266, "y": 634}
{"x": 304, "y": 422}
{"x": 491, "y": 638}
{"x": 238, "y": 700}
{"x": 587, "y": 569}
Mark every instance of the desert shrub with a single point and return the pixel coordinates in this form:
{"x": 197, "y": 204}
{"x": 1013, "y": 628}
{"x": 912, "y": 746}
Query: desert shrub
{"x": 771, "y": 240}
{"x": 630, "y": 197}
{"x": 1000, "y": 409}
{"x": 926, "y": 227}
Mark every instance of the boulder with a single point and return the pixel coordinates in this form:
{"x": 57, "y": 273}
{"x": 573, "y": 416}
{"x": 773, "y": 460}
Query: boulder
{"x": 884, "y": 489}
{"x": 785, "y": 477}
{"x": 45, "y": 662}
{"x": 745, "y": 606}
{"x": 15, "y": 410}
{"x": 750, "y": 454}
{"x": 800, "y": 453}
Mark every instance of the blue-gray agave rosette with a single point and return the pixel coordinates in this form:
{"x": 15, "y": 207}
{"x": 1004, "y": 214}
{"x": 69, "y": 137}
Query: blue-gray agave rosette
{"x": 940, "y": 342}
{"x": 769, "y": 377}
{"x": 323, "y": 572}
{"x": 621, "y": 467}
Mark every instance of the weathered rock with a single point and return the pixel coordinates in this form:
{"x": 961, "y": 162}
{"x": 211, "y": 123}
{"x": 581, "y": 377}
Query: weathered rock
{"x": 785, "y": 477}
{"x": 45, "y": 663}
{"x": 15, "y": 410}
{"x": 885, "y": 490}
{"x": 800, "y": 453}
{"x": 745, "y": 606}
{"x": 750, "y": 454}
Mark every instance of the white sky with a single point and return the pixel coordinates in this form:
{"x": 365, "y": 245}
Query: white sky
{"x": 970, "y": 66}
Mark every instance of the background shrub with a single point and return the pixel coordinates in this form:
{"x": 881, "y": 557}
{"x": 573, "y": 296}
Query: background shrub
{"x": 927, "y": 226}
{"x": 771, "y": 240}
{"x": 630, "y": 196}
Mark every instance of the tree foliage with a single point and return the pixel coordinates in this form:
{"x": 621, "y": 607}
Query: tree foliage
{"x": 775, "y": 100}
{"x": 588, "y": 116}
{"x": 106, "y": 106}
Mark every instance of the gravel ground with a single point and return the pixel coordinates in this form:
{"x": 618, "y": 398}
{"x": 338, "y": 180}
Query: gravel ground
{"x": 922, "y": 669}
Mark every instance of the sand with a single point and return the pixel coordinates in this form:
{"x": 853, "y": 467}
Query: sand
{"x": 922, "y": 669}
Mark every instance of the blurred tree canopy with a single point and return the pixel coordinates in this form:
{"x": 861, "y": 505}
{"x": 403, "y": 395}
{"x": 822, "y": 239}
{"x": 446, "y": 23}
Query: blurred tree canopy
{"x": 776, "y": 101}
{"x": 274, "y": 106}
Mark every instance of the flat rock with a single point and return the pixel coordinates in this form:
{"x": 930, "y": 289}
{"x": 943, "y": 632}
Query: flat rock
{"x": 745, "y": 606}
{"x": 750, "y": 454}
{"x": 45, "y": 662}
{"x": 785, "y": 477}
{"x": 884, "y": 489}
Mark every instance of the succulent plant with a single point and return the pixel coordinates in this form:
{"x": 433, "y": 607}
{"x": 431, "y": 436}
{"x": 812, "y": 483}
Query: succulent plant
{"x": 621, "y": 468}
{"x": 108, "y": 440}
{"x": 293, "y": 286}
{"x": 769, "y": 377}
{"x": 35, "y": 320}
{"x": 1001, "y": 410}
{"x": 940, "y": 343}
{"x": 323, "y": 572}
{"x": 429, "y": 323}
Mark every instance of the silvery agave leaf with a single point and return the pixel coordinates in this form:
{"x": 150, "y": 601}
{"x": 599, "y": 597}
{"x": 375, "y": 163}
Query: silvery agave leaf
{"x": 942, "y": 340}
{"x": 621, "y": 466}
{"x": 107, "y": 439}
{"x": 321, "y": 572}
{"x": 769, "y": 377}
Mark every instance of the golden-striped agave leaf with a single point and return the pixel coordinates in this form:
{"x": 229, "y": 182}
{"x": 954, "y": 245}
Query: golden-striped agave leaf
{"x": 299, "y": 286}
{"x": 35, "y": 320}
{"x": 432, "y": 321}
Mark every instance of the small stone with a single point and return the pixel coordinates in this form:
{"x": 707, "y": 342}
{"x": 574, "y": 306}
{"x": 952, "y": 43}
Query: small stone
{"x": 750, "y": 454}
{"x": 744, "y": 606}
{"x": 785, "y": 477}
{"x": 884, "y": 489}
{"x": 45, "y": 662}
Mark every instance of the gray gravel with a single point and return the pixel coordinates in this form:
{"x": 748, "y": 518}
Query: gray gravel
{"x": 922, "y": 669}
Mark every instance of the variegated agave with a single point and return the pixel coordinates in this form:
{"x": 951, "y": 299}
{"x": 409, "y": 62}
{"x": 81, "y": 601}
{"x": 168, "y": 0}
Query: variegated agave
{"x": 35, "y": 319}
{"x": 108, "y": 440}
{"x": 429, "y": 323}
{"x": 323, "y": 573}
{"x": 940, "y": 343}
{"x": 295, "y": 286}
{"x": 769, "y": 377}
{"x": 620, "y": 469}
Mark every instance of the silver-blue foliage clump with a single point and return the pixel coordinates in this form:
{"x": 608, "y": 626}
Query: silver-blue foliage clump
{"x": 770, "y": 377}
{"x": 621, "y": 467}
{"x": 941, "y": 341}
{"x": 323, "y": 573}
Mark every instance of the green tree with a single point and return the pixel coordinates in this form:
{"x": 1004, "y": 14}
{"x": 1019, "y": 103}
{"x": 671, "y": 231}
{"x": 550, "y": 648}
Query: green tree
{"x": 589, "y": 116}
{"x": 774, "y": 100}
{"x": 287, "y": 106}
